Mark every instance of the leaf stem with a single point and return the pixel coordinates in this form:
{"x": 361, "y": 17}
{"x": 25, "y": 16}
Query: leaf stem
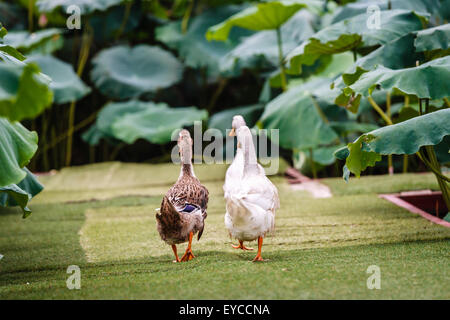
{"x": 126, "y": 15}
{"x": 313, "y": 165}
{"x": 433, "y": 163}
{"x": 186, "y": 16}
{"x": 280, "y": 60}
{"x": 222, "y": 84}
{"x": 84, "y": 54}
{"x": 319, "y": 110}
{"x": 379, "y": 110}
{"x": 441, "y": 182}
{"x": 30, "y": 15}
{"x": 428, "y": 164}
{"x": 76, "y": 128}
{"x": 388, "y": 114}
{"x": 116, "y": 150}
{"x": 405, "y": 163}
{"x": 44, "y": 140}
{"x": 447, "y": 102}
{"x": 405, "y": 156}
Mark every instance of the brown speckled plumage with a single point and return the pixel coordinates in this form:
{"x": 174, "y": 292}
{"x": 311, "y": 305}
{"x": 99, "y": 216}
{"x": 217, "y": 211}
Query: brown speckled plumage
{"x": 174, "y": 224}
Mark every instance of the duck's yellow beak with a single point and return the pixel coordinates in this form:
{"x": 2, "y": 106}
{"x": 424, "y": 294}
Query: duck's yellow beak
{"x": 232, "y": 133}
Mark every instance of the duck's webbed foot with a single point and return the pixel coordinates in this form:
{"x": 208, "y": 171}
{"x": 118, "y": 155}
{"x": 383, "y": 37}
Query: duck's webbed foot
{"x": 188, "y": 255}
{"x": 174, "y": 248}
{"x": 258, "y": 255}
{"x": 241, "y": 246}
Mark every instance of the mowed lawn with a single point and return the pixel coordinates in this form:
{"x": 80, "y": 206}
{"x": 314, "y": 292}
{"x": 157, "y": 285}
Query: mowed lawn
{"x": 102, "y": 218}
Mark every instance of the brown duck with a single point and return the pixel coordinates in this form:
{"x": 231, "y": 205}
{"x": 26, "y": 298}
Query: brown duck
{"x": 183, "y": 208}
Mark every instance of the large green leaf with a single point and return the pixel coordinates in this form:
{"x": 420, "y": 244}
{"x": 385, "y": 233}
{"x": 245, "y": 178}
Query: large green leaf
{"x": 402, "y": 138}
{"x": 353, "y": 33}
{"x": 109, "y": 114}
{"x": 195, "y": 50}
{"x": 402, "y": 52}
{"x": 43, "y": 41}
{"x": 155, "y": 124}
{"x": 93, "y": 135}
{"x": 358, "y": 7}
{"x": 319, "y": 87}
{"x": 358, "y": 159}
{"x": 66, "y": 85}
{"x": 131, "y": 120}
{"x": 430, "y": 80}
{"x": 433, "y": 39}
{"x": 20, "y": 194}
{"x": 122, "y": 72}
{"x": 222, "y": 120}
{"x": 7, "y": 52}
{"x": 262, "y": 16}
{"x": 325, "y": 155}
{"x": 396, "y": 54}
{"x": 346, "y": 127}
{"x": 24, "y": 91}
{"x": 13, "y": 193}
{"x": 17, "y": 147}
{"x": 295, "y": 114}
{"x": 261, "y": 49}
{"x": 322, "y": 155}
{"x": 86, "y": 6}
{"x": 335, "y": 65}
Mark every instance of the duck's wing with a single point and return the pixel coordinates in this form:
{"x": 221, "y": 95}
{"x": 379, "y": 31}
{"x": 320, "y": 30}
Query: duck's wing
{"x": 262, "y": 193}
{"x": 189, "y": 191}
{"x": 168, "y": 215}
{"x": 202, "y": 197}
{"x": 234, "y": 172}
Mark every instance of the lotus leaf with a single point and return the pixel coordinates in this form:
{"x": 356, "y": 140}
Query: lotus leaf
{"x": 66, "y": 85}
{"x": 302, "y": 126}
{"x": 192, "y": 46}
{"x": 262, "y": 16}
{"x": 402, "y": 138}
{"x": 122, "y": 72}
{"x": 17, "y": 147}
{"x": 20, "y": 194}
{"x": 354, "y": 33}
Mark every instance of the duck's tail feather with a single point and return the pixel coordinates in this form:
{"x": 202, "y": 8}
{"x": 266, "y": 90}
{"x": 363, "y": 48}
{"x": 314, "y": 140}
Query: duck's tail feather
{"x": 200, "y": 232}
{"x": 168, "y": 215}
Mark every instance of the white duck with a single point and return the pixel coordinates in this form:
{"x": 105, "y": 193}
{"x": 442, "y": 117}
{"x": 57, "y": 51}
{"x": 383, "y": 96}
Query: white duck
{"x": 251, "y": 198}
{"x": 236, "y": 170}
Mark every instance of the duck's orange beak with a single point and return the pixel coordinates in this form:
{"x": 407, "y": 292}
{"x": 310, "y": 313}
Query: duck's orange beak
{"x": 232, "y": 133}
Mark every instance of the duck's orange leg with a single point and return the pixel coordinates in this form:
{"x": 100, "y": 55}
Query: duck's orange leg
{"x": 188, "y": 255}
{"x": 241, "y": 246}
{"x": 258, "y": 255}
{"x": 174, "y": 248}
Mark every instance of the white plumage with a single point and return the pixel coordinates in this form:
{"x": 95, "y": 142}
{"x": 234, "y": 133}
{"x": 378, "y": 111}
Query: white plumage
{"x": 251, "y": 198}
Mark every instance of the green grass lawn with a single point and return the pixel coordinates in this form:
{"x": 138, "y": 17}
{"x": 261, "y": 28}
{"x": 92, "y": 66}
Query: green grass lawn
{"x": 102, "y": 218}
